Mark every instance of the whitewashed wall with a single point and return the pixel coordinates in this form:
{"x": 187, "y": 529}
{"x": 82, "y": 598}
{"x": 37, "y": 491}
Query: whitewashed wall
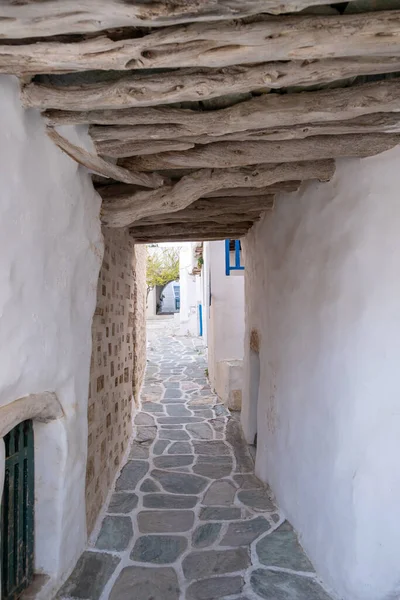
{"x": 51, "y": 251}
{"x": 323, "y": 291}
{"x": 189, "y": 295}
{"x": 226, "y": 314}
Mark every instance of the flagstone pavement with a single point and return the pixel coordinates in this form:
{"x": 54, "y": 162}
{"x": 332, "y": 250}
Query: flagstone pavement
{"x": 188, "y": 519}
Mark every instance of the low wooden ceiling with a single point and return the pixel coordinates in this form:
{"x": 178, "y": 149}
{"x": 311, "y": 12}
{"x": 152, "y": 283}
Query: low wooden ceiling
{"x": 201, "y": 111}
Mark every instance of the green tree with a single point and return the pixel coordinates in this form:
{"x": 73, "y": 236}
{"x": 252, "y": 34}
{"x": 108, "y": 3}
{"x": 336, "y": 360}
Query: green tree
{"x": 162, "y": 267}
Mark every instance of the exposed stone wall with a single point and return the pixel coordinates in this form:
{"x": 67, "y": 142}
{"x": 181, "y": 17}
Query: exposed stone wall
{"x": 139, "y": 327}
{"x": 119, "y": 303}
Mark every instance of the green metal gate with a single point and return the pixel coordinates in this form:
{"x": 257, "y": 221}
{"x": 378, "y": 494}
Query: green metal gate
{"x": 17, "y": 514}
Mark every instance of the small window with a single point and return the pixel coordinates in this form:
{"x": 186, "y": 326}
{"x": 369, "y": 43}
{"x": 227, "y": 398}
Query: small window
{"x": 233, "y": 256}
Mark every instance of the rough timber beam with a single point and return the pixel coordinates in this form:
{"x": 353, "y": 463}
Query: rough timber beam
{"x": 139, "y": 90}
{"x": 188, "y": 237}
{"x": 98, "y": 165}
{"x": 374, "y": 123}
{"x": 207, "y": 228}
{"x": 167, "y": 199}
{"x": 264, "y": 112}
{"x": 225, "y": 155}
{"x": 123, "y": 192}
{"x": 216, "y": 209}
{"x": 302, "y": 37}
{"x": 55, "y": 17}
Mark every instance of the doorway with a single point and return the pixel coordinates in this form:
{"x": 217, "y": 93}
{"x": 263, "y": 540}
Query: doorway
{"x": 17, "y": 513}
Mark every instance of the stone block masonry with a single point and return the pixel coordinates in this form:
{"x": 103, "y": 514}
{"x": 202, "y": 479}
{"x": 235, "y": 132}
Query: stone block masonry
{"x": 118, "y": 362}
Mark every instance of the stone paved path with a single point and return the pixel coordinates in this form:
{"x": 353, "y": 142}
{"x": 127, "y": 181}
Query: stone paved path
{"x": 188, "y": 519}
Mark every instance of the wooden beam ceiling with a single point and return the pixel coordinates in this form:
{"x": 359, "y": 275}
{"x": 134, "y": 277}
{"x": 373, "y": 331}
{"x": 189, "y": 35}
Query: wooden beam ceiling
{"x": 201, "y": 112}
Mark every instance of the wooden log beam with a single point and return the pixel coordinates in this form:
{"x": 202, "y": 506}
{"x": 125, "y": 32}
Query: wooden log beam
{"x": 225, "y": 155}
{"x": 374, "y": 123}
{"x": 235, "y": 230}
{"x": 98, "y": 165}
{"x": 53, "y": 17}
{"x": 139, "y": 90}
{"x": 186, "y": 237}
{"x": 265, "y": 112}
{"x": 302, "y": 37}
{"x": 222, "y": 210}
{"x": 123, "y": 212}
{"x": 120, "y": 191}
{"x": 231, "y": 219}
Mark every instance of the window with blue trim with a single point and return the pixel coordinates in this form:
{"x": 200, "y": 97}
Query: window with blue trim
{"x": 233, "y": 256}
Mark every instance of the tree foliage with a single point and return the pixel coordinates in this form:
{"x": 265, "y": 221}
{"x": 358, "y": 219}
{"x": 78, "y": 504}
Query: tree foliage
{"x": 162, "y": 267}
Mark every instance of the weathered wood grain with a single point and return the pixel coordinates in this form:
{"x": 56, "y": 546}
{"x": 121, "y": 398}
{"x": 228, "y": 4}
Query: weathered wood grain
{"x": 264, "y": 112}
{"x": 220, "y": 210}
{"x": 54, "y": 17}
{"x": 188, "y": 237}
{"x": 224, "y": 155}
{"x": 121, "y": 191}
{"x": 374, "y": 123}
{"x": 98, "y": 165}
{"x": 123, "y": 212}
{"x": 303, "y": 37}
{"x": 139, "y": 90}
{"x": 207, "y": 228}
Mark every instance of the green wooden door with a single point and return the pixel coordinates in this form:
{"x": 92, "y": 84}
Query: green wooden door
{"x": 17, "y": 514}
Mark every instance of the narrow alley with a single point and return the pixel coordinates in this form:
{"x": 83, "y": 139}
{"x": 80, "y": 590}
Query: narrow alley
{"x": 188, "y": 519}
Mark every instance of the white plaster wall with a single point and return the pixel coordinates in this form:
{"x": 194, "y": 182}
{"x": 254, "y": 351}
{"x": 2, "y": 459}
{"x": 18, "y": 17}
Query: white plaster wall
{"x": 188, "y": 306}
{"x": 51, "y": 251}
{"x": 226, "y": 316}
{"x": 323, "y": 291}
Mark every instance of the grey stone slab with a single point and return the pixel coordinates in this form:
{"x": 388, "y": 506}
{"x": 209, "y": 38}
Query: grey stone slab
{"x": 165, "y": 521}
{"x": 200, "y": 431}
{"x": 131, "y": 474}
{"x": 220, "y": 493}
{"x": 180, "y": 483}
{"x": 256, "y": 499}
{"x": 272, "y": 585}
{"x": 172, "y": 393}
{"x": 214, "y": 467}
{"x": 171, "y": 384}
{"x": 218, "y": 424}
{"x": 206, "y": 413}
{"x": 215, "y": 513}
{"x": 115, "y": 533}
{"x": 211, "y": 448}
{"x": 88, "y": 579}
{"x": 143, "y": 419}
{"x": 180, "y": 400}
{"x": 149, "y": 485}
{"x": 215, "y": 588}
{"x": 145, "y": 434}
{"x": 221, "y": 411}
{"x": 282, "y": 549}
{"x": 160, "y": 446}
{"x": 179, "y": 420}
{"x": 159, "y": 549}
{"x": 203, "y": 563}
{"x": 248, "y": 482}
{"x": 244, "y": 462}
{"x": 169, "y": 501}
{"x": 205, "y": 535}
{"x": 153, "y": 407}
{"x": 245, "y": 532}
{"x": 139, "y": 450}
{"x": 122, "y": 502}
{"x": 171, "y": 434}
{"x": 146, "y": 583}
{"x": 180, "y": 448}
{"x": 171, "y": 426}
{"x": 173, "y": 461}
{"x": 178, "y": 410}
